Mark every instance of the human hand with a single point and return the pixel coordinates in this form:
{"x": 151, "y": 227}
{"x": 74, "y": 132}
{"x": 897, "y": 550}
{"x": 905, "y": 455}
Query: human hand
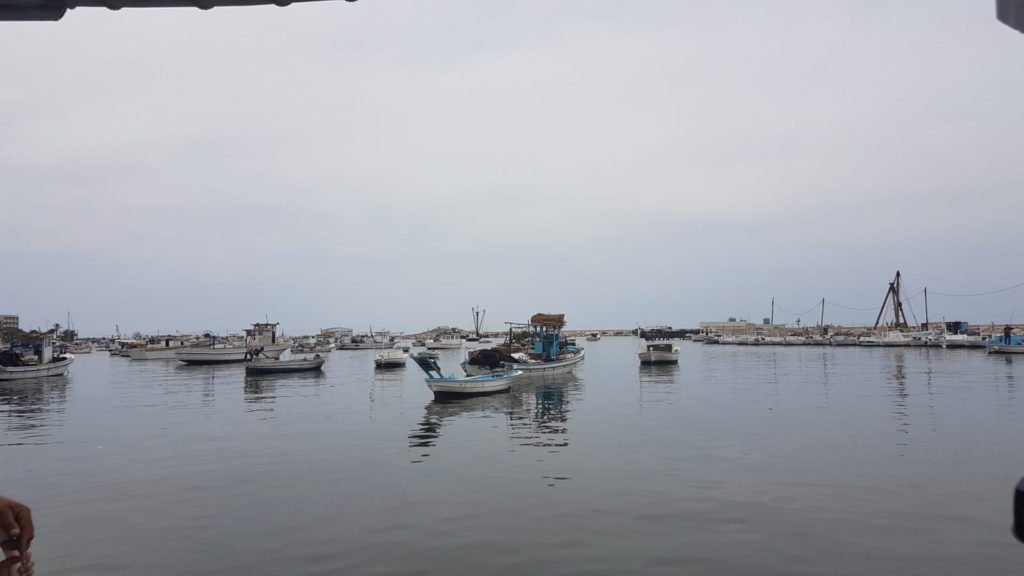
{"x": 16, "y": 528}
{"x": 25, "y": 565}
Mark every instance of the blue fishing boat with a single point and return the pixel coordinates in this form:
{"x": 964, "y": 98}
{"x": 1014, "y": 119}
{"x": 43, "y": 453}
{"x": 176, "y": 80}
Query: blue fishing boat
{"x": 448, "y": 387}
{"x": 549, "y": 354}
{"x": 1006, "y": 343}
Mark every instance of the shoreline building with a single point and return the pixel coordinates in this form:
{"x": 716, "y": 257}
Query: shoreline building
{"x": 9, "y": 322}
{"x": 736, "y": 327}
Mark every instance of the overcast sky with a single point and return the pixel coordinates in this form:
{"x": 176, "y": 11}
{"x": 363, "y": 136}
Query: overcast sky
{"x": 395, "y": 163}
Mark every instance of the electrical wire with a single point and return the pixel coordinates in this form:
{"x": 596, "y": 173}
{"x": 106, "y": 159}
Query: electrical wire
{"x": 850, "y": 307}
{"x": 1007, "y": 289}
{"x": 809, "y": 310}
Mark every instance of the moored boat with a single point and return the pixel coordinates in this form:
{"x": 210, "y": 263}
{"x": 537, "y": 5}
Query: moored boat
{"x": 390, "y": 359}
{"x": 1006, "y": 349}
{"x": 449, "y": 341}
{"x": 163, "y": 348}
{"x": 593, "y": 337}
{"x": 261, "y": 341}
{"x": 448, "y": 387}
{"x": 367, "y": 341}
{"x": 272, "y": 366}
{"x": 658, "y": 353}
{"x": 35, "y": 361}
{"x": 842, "y": 340}
{"x": 549, "y": 354}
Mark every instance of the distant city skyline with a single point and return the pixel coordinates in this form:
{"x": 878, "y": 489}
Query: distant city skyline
{"x": 397, "y": 163}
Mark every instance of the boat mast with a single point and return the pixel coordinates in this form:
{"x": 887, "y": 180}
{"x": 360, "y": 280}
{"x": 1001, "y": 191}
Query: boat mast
{"x": 927, "y": 324}
{"x": 478, "y": 319}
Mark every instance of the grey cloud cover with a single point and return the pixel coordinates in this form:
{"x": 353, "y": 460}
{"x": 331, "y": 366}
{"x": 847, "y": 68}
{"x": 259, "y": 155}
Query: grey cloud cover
{"x": 396, "y": 163}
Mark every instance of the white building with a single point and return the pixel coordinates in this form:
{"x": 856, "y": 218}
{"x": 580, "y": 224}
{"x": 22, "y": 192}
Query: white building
{"x": 9, "y": 321}
{"x": 738, "y": 326}
{"x": 338, "y": 333}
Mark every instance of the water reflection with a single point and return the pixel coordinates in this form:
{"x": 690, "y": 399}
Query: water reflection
{"x": 29, "y": 407}
{"x": 259, "y": 392}
{"x": 536, "y": 413}
{"x": 262, "y": 391}
{"x": 658, "y": 382}
{"x": 897, "y": 390}
{"x": 436, "y": 413}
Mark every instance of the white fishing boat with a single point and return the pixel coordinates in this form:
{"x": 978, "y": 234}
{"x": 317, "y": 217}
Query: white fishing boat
{"x": 658, "y": 353}
{"x": 893, "y": 338}
{"x": 963, "y": 341}
{"x": 271, "y": 366}
{"x": 37, "y": 361}
{"x": 367, "y": 341}
{"x": 448, "y": 387}
{"x": 260, "y": 342}
{"x": 162, "y": 348}
{"x": 445, "y": 342}
{"x": 593, "y": 337}
{"x": 390, "y": 359}
{"x": 842, "y": 340}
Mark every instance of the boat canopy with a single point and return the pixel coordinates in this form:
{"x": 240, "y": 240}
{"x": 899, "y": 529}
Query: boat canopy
{"x": 556, "y": 320}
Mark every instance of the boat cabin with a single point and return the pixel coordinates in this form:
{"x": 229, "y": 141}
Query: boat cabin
{"x": 261, "y": 334}
{"x": 546, "y": 332}
{"x": 660, "y": 347}
{"x": 35, "y": 351}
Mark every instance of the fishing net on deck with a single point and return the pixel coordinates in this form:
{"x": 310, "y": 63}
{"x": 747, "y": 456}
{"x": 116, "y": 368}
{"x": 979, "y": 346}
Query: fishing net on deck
{"x": 548, "y": 320}
{"x": 489, "y": 357}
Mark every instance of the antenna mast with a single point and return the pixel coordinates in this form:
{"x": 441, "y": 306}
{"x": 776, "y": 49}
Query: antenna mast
{"x": 899, "y": 318}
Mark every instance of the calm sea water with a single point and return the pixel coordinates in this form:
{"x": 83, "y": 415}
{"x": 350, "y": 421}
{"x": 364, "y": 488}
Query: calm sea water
{"x": 738, "y": 461}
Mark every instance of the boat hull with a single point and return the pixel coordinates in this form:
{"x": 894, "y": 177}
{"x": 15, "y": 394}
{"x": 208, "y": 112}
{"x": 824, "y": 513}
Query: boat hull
{"x": 364, "y": 345}
{"x": 284, "y": 366}
{"x": 532, "y": 369}
{"x": 224, "y": 355}
{"x": 1003, "y": 349}
{"x": 448, "y": 388}
{"x": 58, "y": 368}
{"x": 659, "y": 357}
{"x": 154, "y": 353}
{"x": 444, "y": 345}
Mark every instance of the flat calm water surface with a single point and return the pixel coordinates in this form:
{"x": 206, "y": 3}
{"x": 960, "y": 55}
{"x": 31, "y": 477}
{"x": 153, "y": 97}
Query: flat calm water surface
{"x": 741, "y": 460}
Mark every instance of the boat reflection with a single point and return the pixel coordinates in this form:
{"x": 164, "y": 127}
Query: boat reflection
{"x": 658, "y": 382}
{"x": 28, "y": 407}
{"x": 536, "y": 413}
{"x": 896, "y": 389}
{"x": 261, "y": 390}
